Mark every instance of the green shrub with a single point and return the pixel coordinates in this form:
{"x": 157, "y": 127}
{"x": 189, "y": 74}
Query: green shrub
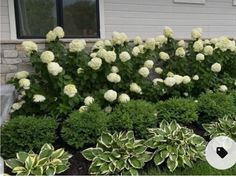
{"x": 136, "y": 115}
{"x": 117, "y": 154}
{"x": 83, "y": 128}
{"x": 226, "y": 126}
{"x": 47, "y": 162}
{"x": 211, "y": 106}
{"x": 175, "y": 145}
{"x": 26, "y": 133}
{"x": 180, "y": 109}
{"x": 233, "y": 94}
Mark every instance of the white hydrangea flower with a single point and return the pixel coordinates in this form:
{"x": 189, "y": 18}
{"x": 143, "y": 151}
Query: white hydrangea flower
{"x": 186, "y": 79}
{"x": 135, "y": 88}
{"x": 180, "y": 52}
{"x": 110, "y": 95}
{"x": 196, "y": 77}
{"x": 214, "y": 40}
{"x": 80, "y": 70}
{"x": 164, "y": 56}
{"x": 108, "y": 109}
{"x": 235, "y": 82}
{"x": 223, "y": 88}
{"x": 95, "y": 63}
{"x": 124, "y": 98}
{"x": 119, "y": 38}
{"x": 168, "y": 32}
{"x": 59, "y": 32}
{"x": 198, "y": 46}
{"x": 124, "y": 56}
{"x": 156, "y": 80}
{"x": 223, "y": 43}
{"x": 181, "y": 43}
{"x": 83, "y": 108}
{"x": 149, "y": 64}
{"x": 135, "y": 51}
{"x": 113, "y": 77}
{"x": 141, "y": 48}
{"x": 38, "y": 98}
{"x": 169, "y": 81}
{"x": 178, "y": 79}
{"x": 88, "y": 100}
{"x": 207, "y": 42}
{"x": 51, "y": 36}
{"x": 138, "y": 40}
{"x": 108, "y": 43}
{"x": 158, "y": 70}
{"x": 186, "y": 94}
{"x": 102, "y": 53}
{"x": 150, "y": 43}
{"x": 160, "y": 40}
{"x": 98, "y": 45}
{"x": 200, "y": 57}
{"x": 110, "y": 56}
{"x": 17, "y": 106}
{"x": 54, "y": 68}
{"x": 144, "y": 71}
{"x": 77, "y": 45}
{"x": 114, "y": 69}
{"x": 24, "y": 83}
{"x": 70, "y": 90}
{"x": 208, "y": 50}
{"x": 216, "y": 67}
{"x": 47, "y": 57}
{"x": 29, "y": 47}
{"x": 21, "y": 74}
{"x": 196, "y": 33}
{"x": 170, "y": 74}
{"x": 93, "y": 55}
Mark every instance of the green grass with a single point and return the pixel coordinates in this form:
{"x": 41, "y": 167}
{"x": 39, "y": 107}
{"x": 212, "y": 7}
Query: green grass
{"x": 200, "y": 168}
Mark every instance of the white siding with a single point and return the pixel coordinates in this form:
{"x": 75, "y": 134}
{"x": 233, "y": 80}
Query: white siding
{"x": 148, "y": 18}
{"x": 5, "y": 23}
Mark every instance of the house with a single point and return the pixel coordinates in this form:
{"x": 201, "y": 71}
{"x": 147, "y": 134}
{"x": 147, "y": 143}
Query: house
{"x": 95, "y": 19}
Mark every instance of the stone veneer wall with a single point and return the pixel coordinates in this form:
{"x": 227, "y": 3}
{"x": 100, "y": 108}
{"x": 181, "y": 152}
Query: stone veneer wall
{"x": 13, "y": 58}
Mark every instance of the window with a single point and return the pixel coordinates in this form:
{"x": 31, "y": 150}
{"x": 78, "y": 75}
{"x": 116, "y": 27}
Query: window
{"x": 190, "y": 1}
{"x": 79, "y": 18}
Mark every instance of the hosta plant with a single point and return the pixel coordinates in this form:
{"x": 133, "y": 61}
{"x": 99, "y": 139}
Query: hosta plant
{"x": 117, "y": 154}
{"x": 47, "y": 162}
{"x": 175, "y": 145}
{"x": 225, "y": 126}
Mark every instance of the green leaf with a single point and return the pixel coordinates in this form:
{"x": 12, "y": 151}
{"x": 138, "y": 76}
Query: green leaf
{"x": 133, "y": 172}
{"x": 29, "y": 162}
{"x": 120, "y": 164}
{"x": 50, "y": 171}
{"x": 47, "y": 146}
{"x": 130, "y": 135}
{"x": 58, "y": 153}
{"x": 45, "y": 153}
{"x": 38, "y": 171}
{"x": 173, "y": 125}
{"x": 146, "y": 156}
{"x": 61, "y": 168}
{"x": 158, "y": 159}
{"x": 112, "y": 167}
{"x": 139, "y": 149}
{"x": 21, "y": 156}
{"x": 12, "y": 163}
{"x": 172, "y": 164}
{"x": 88, "y": 153}
{"x": 115, "y": 153}
{"x": 105, "y": 156}
{"x": 164, "y": 124}
{"x": 186, "y": 161}
{"x": 18, "y": 169}
{"x": 104, "y": 168}
{"x": 136, "y": 163}
{"x": 164, "y": 154}
{"x": 106, "y": 139}
{"x": 42, "y": 161}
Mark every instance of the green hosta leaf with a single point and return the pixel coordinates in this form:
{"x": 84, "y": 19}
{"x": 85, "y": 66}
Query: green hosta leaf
{"x": 158, "y": 159}
{"x": 106, "y": 139}
{"x": 173, "y": 157}
{"x": 104, "y": 169}
{"x": 197, "y": 140}
{"x": 50, "y": 171}
{"x": 90, "y": 153}
{"x": 61, "y": 168}
{"x": 47, "y": 146}
{"x": 186, "y": 161}
{"x": 105, "y": 156}
{"x": 145, "y": 157}
{"x": 136, "y": 163}
{"x": 115, "y": 153}
{"x": 58, "y": 153}
{"x": 38, "y": 171}
{"x": 120, "y": 164}
{"x": 139, "y": 149}
{"x": 164, "y": 124}
{"x": 21, "y": 156}
{"x": 18, "y": 169}
{"x": 173, "y": 125}
{"x": 112, "y": 168}
{"x": 164, "y": 154}
{"x": 151, "y": 143}
{"x": 45, "y": 153}
{"x": 12, "y": 163}
{"x": 172, "y": 165}
{"x": 56, "y": 162}
{"x": 42, "y": 161}
{"x": 29, "y": 162}
{"x": 133, "y": 172}
{"x": 130, "y": 135}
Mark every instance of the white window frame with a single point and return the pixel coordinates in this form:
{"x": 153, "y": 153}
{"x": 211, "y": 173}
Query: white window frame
{"x": 234, "y": 2}
{"x": 190, "y": 1}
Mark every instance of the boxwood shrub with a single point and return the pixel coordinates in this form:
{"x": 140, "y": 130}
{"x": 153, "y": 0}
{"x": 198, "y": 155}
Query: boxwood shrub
{"x": 182, "y": 110}
{"x": 136, "y": 115}
{"x": 82, "y": 129}
{"x": 26, "y": 133}
{"x": 212, "y": 106}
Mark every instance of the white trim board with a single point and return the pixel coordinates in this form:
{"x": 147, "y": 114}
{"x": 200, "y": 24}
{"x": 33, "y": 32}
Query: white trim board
{"x": 190, "y": 1}
{"x": 12, "y": 19}
{"x": 101, "y": 19}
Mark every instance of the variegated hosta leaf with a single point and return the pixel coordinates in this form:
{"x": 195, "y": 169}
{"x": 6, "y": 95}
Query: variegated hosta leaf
{"x": 158, "y": 159}
{"x": 90, "y": 153}
{"x": 106, "y": 139}
{"x": 172, "y": 165}
{"x": 12, "y": 163}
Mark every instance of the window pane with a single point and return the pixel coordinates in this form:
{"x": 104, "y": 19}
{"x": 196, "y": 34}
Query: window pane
{"x": 80, "y": 18}
{"x": 36, "y": 17}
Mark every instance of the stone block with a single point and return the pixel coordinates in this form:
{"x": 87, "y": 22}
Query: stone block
{"x": 5, "y": 68}
{"x": 10, "y": 53}
{"x": 3, "y": 79}
{"x": 9, "y": 76}
{"x": 8, "y": 46}
{"x": 11, "y": 60}
{"x": 25, "y": 67}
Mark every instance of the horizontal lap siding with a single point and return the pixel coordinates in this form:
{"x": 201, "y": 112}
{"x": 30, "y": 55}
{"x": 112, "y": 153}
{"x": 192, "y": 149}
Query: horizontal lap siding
{"x": 5, "y": 23}
{"x": 147, "y": 18}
